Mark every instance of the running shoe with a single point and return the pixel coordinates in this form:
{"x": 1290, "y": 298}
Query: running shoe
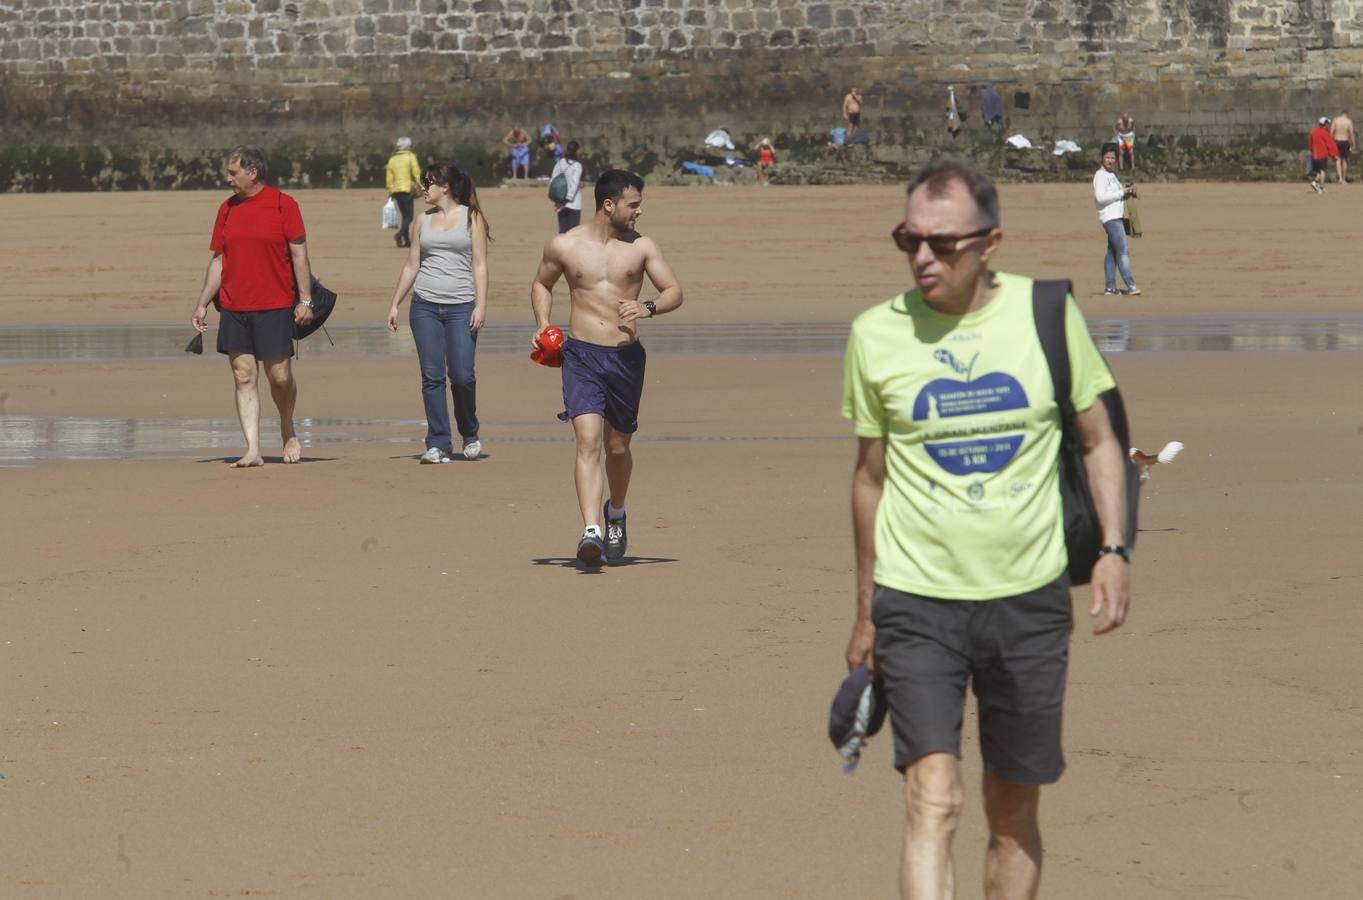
{"x": 1110, "y": 290}
{"x": 590, "y": 550}
{"x": 435, "y": 455}
{"x": 617, "y": 539}
{"x": 1133, "y": 291}
{"x": 472, "y": 447}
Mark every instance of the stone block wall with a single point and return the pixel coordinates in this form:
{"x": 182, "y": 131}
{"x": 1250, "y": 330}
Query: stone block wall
{"x": 162, "y": 83}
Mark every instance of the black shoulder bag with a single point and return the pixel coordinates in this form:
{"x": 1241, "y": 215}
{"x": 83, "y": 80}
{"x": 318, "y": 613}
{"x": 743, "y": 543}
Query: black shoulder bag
{"x": 1083, "y": 530}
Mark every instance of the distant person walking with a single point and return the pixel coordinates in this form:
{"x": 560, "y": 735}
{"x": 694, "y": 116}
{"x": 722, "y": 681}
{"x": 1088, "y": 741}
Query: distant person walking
{"x": 1342, "y": 130}
{"x": 766, "y": 158}
{"x": 1110, "y": 197}
{"x": 1323, "y": 149}
{"x": 518, "y": 139}
{"x": 1125, "y": 131}
{"x": 851, "y": 110}
{"x": 570, "y": 210}
{"x": 404, "y": 169}
{"x": 259, "y": 264}
{"x": 448, "y": 277}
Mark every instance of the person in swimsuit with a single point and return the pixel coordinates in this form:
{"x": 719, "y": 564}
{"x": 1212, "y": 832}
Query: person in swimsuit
{"x": 446, "y": 271}
{"x": 1342, "y": 130}
{"x": 518, "y": 139}
{"x": 766, "y": 158}
{"x": 1125, "y": 130}
{"x": 605, "y": 261}
{"x": 851, "y": 110}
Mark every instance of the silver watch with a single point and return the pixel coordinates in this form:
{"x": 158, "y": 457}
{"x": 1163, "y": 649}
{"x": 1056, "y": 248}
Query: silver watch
{"x": 307, "y": 303}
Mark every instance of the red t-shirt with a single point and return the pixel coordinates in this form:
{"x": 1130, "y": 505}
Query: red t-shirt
{"x": 253, "y": 236}
{"x": 1323, "y": 146}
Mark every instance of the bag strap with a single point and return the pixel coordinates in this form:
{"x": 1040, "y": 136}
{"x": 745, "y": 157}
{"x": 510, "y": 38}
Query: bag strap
{"x": 1048, "y": 311}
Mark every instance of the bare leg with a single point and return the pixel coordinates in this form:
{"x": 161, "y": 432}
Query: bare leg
{"x": 1339, "y": 169}
{"x": 248, "y": 408}
{"x": 933, "y": 797}
{"x": 1012, "y": 868}
{"x": 619, "y": 465}
{"x": 284, "y": 390}
{"x": 587, "y": 476}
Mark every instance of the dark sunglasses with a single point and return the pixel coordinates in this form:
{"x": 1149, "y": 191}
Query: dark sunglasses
{"x": 939, "y": 244}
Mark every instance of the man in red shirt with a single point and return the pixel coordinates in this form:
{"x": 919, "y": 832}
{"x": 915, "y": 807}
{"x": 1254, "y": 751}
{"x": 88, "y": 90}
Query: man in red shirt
{"x": 259, "y": 255}
{"x": 1323, "y": 149}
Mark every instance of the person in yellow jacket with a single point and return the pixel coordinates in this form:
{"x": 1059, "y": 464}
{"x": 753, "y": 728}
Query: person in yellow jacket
{"x": 404, "y": 171}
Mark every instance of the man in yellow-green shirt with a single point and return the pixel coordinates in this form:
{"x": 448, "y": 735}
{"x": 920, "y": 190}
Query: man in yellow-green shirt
{"x": 961, "y": 560}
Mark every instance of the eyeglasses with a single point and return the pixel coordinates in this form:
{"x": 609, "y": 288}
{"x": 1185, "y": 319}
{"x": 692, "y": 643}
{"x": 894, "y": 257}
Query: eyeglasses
{"x": 939, "y": 244}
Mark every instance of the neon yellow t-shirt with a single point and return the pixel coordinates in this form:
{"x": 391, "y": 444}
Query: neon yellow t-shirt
{"x": 971, "y": 506}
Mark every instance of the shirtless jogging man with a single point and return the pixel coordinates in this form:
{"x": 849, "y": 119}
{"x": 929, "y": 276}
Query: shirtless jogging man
{"x": 1342, "y": 130}
{"x": 605, "y": 261}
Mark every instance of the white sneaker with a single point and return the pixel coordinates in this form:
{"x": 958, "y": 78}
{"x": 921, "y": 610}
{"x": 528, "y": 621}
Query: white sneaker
{"x": 472, "y": 448}
{"x": 435, "y": 455}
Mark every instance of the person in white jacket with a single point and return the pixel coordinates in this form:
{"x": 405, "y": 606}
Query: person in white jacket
{"x": 570, "y": 211}
{"x": 1110, "y": 198}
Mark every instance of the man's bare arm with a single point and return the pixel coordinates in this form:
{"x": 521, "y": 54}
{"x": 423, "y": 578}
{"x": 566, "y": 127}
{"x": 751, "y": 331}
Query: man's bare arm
{"x": 1104, "y": 465}
{"x": 212, "y": 282}
{"x": 868, "y": 483}
{"x": 302, "y": 269}
{"x": 542, "y": 288}
{"x": 664, "y": 279}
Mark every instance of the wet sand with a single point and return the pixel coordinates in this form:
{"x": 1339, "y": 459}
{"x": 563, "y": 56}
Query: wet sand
{"x": 361, "y": 677}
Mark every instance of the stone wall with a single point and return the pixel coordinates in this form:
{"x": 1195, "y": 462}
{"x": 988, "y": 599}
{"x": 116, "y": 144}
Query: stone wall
{"x": 148, "y": 93}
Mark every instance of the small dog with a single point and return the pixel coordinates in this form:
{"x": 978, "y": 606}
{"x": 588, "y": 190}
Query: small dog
{"x": 1146, "y": 460}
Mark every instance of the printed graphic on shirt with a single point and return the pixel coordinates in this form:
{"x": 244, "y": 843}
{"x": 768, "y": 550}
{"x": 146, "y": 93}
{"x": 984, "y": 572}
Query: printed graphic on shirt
{"x": 971, "y": 448}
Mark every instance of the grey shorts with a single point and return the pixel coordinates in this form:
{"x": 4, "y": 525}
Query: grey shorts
{"x": 1013, "y": 651}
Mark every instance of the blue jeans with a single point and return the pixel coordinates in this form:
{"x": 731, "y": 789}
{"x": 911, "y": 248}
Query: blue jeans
{"x": 1118, "y": 258}
{"x": 568, "y": 218}
{"x": 444, "y": 345}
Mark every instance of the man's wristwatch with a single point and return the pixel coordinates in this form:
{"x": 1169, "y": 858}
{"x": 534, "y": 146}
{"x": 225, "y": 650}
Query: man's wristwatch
{"x": 651, "y": 307}
{"x": 1118, "y": 549}
{"x": 307, "y": 303}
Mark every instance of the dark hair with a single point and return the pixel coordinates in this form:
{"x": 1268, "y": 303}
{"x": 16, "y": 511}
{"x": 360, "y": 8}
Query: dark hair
{"x": 461, "y": 189}
{"x": 613, "y": 183}
{"x": 940, "y": 173}
{"x": 1109, "y": 147}
{"x": 570, "y": 151}
{"x": 249, "y": 156}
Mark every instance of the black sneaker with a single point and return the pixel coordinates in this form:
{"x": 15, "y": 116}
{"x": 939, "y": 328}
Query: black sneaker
{"x": 617, "y": 539}
{"x": 590, "y": 550}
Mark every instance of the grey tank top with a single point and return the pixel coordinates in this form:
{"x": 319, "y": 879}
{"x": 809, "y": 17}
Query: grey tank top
{"x": 446, "y": 273}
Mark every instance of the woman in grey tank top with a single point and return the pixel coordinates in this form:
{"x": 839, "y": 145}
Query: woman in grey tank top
{"x": 446, "y": 271}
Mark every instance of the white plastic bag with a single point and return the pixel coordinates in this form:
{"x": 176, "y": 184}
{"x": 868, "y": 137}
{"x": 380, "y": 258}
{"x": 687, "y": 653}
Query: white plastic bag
{"x": 391, "y": 217}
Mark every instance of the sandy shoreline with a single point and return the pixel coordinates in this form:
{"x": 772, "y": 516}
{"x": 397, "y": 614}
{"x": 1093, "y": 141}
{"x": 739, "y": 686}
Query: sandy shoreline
{"x": 361, "y": 677}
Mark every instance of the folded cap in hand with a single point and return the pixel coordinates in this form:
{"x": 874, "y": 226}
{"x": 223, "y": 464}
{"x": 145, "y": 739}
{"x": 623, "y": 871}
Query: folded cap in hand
{"x": 858, "y": 712}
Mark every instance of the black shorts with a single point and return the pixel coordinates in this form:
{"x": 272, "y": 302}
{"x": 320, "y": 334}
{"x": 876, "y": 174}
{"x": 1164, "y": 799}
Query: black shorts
{"x": 1343, "y": 149}
{"x": 608, "y": 381}
{"x": 265, "y": 334}
{"x": 854, "y": 118}
{"x": 1014, "y": 651}
{"x": 1318, "y": 165}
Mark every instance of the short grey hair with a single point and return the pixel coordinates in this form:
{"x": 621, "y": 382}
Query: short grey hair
{"x": 939, "y": 173}
{"x": 249, "y": 156}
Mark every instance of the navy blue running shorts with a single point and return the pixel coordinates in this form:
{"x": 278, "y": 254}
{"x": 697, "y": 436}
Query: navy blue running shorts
{"x": 608, "y": 381}
{"x": 1013, "y": 651}
{"x": 265, "y": 334}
